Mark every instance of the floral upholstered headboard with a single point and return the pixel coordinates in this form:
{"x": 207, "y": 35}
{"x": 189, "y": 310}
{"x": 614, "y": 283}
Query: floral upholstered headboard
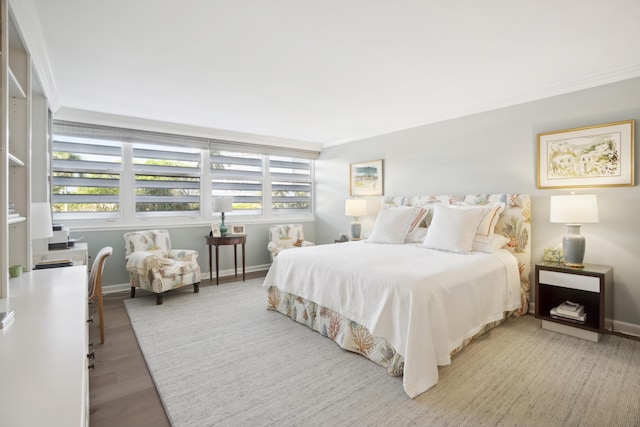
{"x": 514, "y": 224}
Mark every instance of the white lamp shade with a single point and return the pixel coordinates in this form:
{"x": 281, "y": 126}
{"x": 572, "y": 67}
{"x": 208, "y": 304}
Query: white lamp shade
{"x": 355, "y": 207}
{"x": 40, "y": 220}
{"x": 574, "y": 209}
{"x": 223, "y": 204}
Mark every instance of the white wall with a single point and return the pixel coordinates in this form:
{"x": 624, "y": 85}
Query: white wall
{"x": 496, "y": 152}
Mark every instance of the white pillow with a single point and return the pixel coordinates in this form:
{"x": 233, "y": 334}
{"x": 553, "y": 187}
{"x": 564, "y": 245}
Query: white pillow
{"x": 453, "y": 229}
{"x": 392, "y": 225}
{"x": 488, "y": 224}
{"x": 489, "y": 244}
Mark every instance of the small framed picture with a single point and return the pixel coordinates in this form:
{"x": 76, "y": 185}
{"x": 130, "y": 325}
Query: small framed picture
{"x": 366, "y": 179}
{"x": 215, "y": 230}
{"x": 238, "y": 229}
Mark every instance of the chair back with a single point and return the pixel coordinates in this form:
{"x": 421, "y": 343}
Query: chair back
{"x": 287, "y": 233}
{"x": 148, "y": 240}
{"x": 95, "y": 284}
{"x": 95, "y": 275}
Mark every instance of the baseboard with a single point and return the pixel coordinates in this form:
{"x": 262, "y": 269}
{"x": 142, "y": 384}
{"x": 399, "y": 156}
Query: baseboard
{"x": 125, "y": 287}
{"x": 626, "y": 328}
{"x": 112, "y": 289}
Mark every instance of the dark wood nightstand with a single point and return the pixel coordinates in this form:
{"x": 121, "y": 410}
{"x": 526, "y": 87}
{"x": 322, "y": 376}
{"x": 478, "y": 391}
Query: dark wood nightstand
{"x": 591, "y": 286}
{"x": 230, "y": 239}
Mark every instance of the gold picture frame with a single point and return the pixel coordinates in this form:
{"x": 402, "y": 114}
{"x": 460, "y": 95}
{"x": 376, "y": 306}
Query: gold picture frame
{"x": 366, "y": 178}
{"x": 591, "y": 156}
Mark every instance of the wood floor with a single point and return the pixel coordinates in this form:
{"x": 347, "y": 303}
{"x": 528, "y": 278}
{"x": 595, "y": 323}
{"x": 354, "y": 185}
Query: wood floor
{"x": 121, "y": 391}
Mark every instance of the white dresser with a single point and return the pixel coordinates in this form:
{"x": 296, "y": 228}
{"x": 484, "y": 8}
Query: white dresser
{"x": 43, "y": 350}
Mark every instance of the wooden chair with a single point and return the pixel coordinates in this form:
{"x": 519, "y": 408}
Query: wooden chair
{"x": 95, "y": 284}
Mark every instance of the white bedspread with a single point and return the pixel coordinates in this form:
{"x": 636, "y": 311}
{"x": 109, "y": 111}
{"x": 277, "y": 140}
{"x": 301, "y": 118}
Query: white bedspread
{"x": 424, "y": 302}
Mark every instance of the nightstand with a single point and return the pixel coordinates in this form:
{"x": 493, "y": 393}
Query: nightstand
{"x": 591, "y": 286}
{"x": 229, "y": 239}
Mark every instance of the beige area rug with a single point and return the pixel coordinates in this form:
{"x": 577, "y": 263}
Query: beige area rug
{"x": 221, "y": 358}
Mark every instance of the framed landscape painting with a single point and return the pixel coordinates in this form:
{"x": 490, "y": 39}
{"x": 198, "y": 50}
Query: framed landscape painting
{"x": 592, "y": 156}
{"x": 366, "y": 178}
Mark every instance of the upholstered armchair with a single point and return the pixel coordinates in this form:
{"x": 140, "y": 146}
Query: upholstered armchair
{"x": 282, "y": 237}
{"x": 153, "y": 265}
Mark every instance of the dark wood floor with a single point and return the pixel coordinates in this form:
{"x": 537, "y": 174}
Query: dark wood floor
{"x": 121, "y": 391}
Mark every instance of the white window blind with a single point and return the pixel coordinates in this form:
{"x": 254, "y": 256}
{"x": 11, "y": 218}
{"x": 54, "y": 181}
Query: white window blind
{"x": 129, "y": 175}
{"x": 86, "y": 178}
{"x": 238, "y": 175}
{"x": 167, "y": 180}
{"x": 290, "y": 185}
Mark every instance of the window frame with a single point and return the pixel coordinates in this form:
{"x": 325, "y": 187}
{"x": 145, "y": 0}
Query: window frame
{"x": 129, "y": 218}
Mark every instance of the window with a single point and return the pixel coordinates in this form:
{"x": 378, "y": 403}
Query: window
{"x": 167, "y": 180}
{"x": 126, "y": 176}
{"x": 86, "y": 178}
{"x": 290, "y": 185}
{"x": 238, "y": 175}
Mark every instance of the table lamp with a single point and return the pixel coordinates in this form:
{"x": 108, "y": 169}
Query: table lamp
{"x": 573, "y": 210}
{"x": 40, "y": 225}
{"x": 223, "y": 204}
{"x": 40, "y": 221}
{"x": 355, "y": 208}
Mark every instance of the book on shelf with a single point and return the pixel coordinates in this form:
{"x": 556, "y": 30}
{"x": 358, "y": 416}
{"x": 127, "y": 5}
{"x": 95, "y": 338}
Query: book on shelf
{"x": 570, "y": 309}
{"x": 575, "y": 319}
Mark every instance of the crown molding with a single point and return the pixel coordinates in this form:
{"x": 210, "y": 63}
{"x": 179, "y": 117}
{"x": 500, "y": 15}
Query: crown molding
{"x": 588, "y": 82}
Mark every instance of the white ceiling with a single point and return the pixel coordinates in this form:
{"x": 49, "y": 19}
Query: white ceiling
{"x": 329, "y": 71}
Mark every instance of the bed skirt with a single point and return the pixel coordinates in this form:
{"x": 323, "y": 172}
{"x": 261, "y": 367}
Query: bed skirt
{"x": 348, "y": 334}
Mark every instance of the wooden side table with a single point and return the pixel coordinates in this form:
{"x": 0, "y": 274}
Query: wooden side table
{"x": 232, "y": 239}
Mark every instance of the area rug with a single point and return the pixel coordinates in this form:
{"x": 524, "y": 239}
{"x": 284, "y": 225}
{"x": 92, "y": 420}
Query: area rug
{"x": 221, "y": 358}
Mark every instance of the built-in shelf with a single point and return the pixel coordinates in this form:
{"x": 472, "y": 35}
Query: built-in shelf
{"x": 16, "y": 220}
{"x": 15, "y": 89}
{"x": 14, "y": 161}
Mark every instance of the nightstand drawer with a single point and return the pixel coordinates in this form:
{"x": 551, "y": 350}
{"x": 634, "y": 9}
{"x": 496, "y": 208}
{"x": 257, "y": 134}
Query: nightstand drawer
{"x": 572, "y": 281}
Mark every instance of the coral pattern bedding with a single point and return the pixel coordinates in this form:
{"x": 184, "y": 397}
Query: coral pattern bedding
{"x": 410, "y": 306}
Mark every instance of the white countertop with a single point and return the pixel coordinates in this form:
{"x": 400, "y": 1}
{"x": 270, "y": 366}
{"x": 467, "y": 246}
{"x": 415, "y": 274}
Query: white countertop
{"x": 43, "y": 363}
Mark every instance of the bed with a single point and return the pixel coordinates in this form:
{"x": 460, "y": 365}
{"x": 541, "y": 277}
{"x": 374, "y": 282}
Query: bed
{"x": 435, "y": 272}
